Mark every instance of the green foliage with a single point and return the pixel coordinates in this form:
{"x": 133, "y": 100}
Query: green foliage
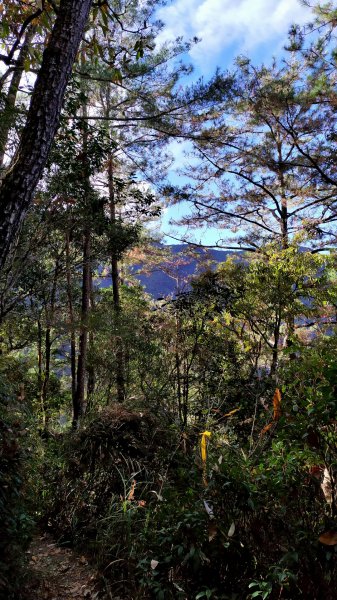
{"x": 16, "y": 523}
{"x": 98, "y": 486}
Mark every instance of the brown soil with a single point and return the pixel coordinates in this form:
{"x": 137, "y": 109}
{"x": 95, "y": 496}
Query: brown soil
{"x": 59, "y": 574}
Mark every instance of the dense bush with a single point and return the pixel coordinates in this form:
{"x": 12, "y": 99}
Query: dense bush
{"x": 98, "y": 484}
{"x": 252, "y": 532}
{"x": 15, "y": 464}
{"x": 15, "y": 520}
{"x": 162, "y": 524}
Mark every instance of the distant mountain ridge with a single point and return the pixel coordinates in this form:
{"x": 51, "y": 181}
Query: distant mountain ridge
{"x": 168, "y": 279}
{"x": 173, "y": 275}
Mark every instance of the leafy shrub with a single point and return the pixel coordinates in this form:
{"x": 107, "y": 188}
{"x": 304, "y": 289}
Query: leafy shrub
{"x": 99, "y": 483}
{"x": 15, "y": 521}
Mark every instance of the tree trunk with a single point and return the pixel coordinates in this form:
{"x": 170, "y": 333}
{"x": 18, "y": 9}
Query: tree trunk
{"x": 46, "y": 377}
{"x": 43, "y": 117}
{"x": 114, "y": 261}
{"x": 91, "y": 374}
{"x": 50, "y": 311}
{"x": 86, "y": 286}
{"x": 40, "y": 379}
{"x": 78, "y": 407}
{"x": 275, "y": 352}
{"x": 120, "y": 358}
{"x": 91, "y": 368}
{"x": 290, "y": 322}
{"x": 71, "y": 321}
{"x": 7, "y": 116}
{"x": 178, "y": 362}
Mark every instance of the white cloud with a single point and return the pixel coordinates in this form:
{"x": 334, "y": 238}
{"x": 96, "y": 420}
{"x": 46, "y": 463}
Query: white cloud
{"x": 222, "y": 24}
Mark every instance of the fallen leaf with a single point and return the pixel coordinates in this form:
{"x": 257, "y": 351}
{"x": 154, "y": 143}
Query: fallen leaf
{"x": 329, "y": 538}
{"x": 231, "y": 530}
{"x": 266, "y": 428}
{"x": 231, "y": 412}
{"x": 154, "y": 564}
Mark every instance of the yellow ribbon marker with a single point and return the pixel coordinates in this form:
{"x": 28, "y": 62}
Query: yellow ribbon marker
{"x": 203, "y": 445}
{"x": 203, "y": 448}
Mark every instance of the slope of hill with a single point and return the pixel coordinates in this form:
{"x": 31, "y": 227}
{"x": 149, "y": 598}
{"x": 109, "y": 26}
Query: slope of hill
{"x": 174, "y": 273}
{"x": 173, "y": 276}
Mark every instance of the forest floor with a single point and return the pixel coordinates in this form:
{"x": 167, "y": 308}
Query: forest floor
{"x": 57, "y": 573}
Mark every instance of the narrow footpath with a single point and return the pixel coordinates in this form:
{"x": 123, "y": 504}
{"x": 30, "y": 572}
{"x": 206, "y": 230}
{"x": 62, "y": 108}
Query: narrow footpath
{"x": 58, "y": 573}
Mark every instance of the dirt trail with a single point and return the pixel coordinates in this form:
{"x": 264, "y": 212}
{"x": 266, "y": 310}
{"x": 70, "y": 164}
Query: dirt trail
{"x": 59, "y": 574}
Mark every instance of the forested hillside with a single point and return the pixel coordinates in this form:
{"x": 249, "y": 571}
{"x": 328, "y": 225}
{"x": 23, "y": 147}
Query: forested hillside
{"x": 173, "y": 271}
{"x": 167, "y": 412}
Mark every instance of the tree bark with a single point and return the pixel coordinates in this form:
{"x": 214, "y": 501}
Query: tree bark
{"x": 43, "y": 117}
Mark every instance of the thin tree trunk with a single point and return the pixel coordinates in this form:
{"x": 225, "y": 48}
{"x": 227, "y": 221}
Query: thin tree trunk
{"x": 114, "y": 261}
{"x": 19, "y": 184}
{"x": 178, "y": 368}
{"x": 290, "y": 324}
{"x": 179, "y": 395}
{"x": 86, "y": 289}
{"x": 91, "y": 373}
{"x": 39, "y": 378}
{"x": 120, "y": 358}
{"x": 78, "y": 408}
{"x": 72, "y": 323}
{"x": 275, "y": 352}
{"x": 185, "y": 395}
{"x": 46, "y": 377}
{"x": 7, "y": 116}
{"x": 91, "y": 368}
{"x": 48, "y": 343}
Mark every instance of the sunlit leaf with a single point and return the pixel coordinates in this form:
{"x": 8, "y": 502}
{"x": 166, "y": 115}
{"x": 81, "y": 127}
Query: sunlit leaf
{"x": 232, "y": 412}
{"x": 132, "y": 490}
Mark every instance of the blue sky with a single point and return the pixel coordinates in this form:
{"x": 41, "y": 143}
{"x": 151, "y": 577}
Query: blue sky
{"x": 227, "y": 29}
